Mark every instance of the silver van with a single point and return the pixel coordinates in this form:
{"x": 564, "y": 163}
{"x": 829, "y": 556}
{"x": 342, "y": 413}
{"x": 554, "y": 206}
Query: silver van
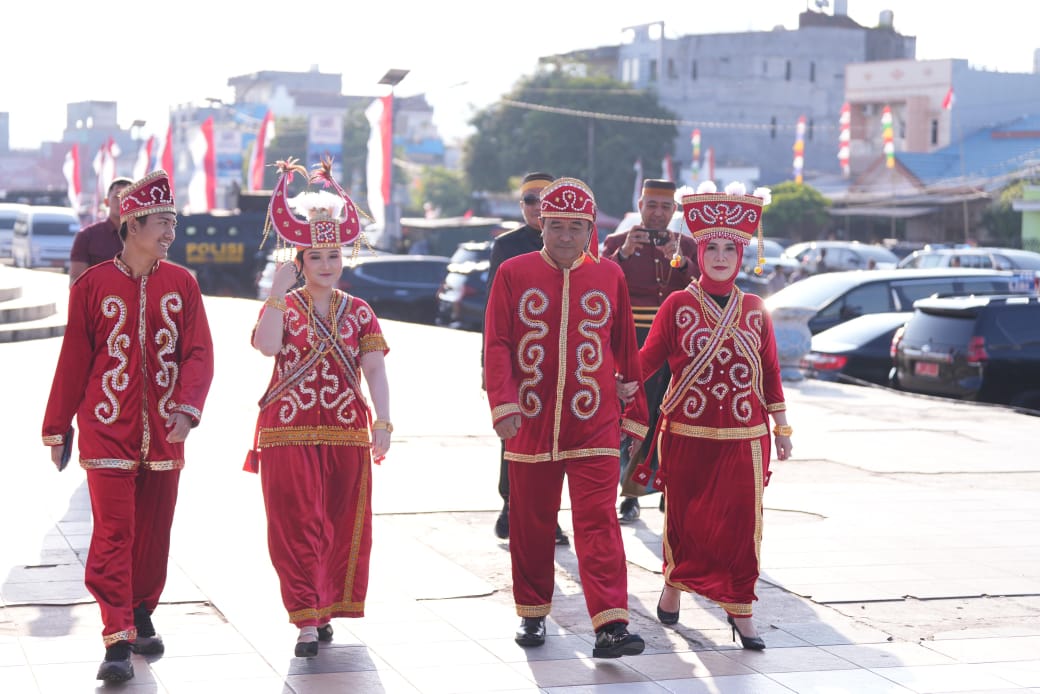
{"x": 43, "y": 235}
{"x": 8, "y": 213}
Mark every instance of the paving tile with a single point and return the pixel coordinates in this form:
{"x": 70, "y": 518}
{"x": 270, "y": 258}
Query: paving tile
{"x": 838, "y": 682}
{"x": 824, "y": 633}
{"x": 1024, "y": 673}
{"x": 50, "y": 592}
{"x": 686, "y": 664}
{"x": 18, "y": 678}
{"x": 561, "y": 647}
{"x": 927, "y": 679}
{"x": 496, "y": 677}
{"x": 334, "y": 659}
{"x": 11, "y": 654}
{"x": 881, "y": 655}
{"x": 434, "y": 652}
{"x": 214, "y": 640}
{"x": 246, "y": 685}
{"x": 993, "y": 650}
{"x": 390, "y": 633}
{"x": 383, "y": 682}
{"x": 174, "y": 671}
{"x": 789, "y": 660}
{"x": 577, "y": 672}
{"x": 735, "y": 684}
{"x": 63, "y": 678}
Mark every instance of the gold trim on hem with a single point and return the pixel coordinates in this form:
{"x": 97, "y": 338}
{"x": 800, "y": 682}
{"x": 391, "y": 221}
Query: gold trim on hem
{"x": 336, "y": 609}
{"x": 54, "y": 440}
{"x": 373, "y": 343}
{"x": 617, "y": 614}
{"x": 124, "y": 635}
{"x": 726, "y": 434}
{"x": 501, "y": 411}
{"x": 777, "y": 407}
{"x": 562, "y": 455}
{"x": 312, "y": 436}
{"x": 737, "y": 609}
{"x": 635, "y": 428}
{"x": 533, "y": 610}
{"x": 121, "y": 464}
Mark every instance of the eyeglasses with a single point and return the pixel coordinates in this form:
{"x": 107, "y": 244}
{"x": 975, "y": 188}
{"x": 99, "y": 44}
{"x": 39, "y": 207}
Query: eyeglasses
{"x": 531, "y": 199}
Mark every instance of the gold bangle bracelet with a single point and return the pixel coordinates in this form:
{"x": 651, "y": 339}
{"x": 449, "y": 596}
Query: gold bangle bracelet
{"x": 276, "y": 303}
{"x": 783, "y": 430}
{"x": 383, "y": 424}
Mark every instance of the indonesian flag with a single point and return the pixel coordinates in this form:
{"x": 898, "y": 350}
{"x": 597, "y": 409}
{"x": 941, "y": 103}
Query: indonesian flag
{"x": 167, "y": 154}
{"x": 947, "y": 102}
{"x": 145, "y": 158}
{"x": 202, "y": 189}
{"x": 380, "y": 156}
{"x": 256, "y": 159}
{"x": 637, "y": 189}
{"x": 666, "y": 168}
{"x": 104, "y": 171}
{"x": 71, "y": 170}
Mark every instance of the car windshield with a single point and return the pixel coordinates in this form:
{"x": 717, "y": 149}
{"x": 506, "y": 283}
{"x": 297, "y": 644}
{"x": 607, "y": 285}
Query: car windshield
{"x": 55, "y": 226}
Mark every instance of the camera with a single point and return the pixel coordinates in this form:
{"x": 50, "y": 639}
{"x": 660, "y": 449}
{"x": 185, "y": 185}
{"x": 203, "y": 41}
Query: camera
{"x": 659, "y": 238}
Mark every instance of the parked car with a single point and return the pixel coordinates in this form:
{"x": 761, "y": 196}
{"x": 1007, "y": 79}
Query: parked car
{"x": 398, "y": 287}
{"x": 841, "y": 296}
{"x": 462, "y": 297}
{"x": 983, "y": 348}
{"x": 835, "y": 256}
{"x": 856, "y": 350}
{"x": 984, "y": 257}
{"x": 8, "y": 213}
{"x": 42, "y": 236}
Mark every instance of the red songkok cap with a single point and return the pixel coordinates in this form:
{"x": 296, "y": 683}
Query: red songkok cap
{"x": 150, "y": 195}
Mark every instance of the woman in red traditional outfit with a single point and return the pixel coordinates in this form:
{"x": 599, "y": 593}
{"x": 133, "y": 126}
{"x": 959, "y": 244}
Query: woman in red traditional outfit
{"x": 315, "y": 430}
{"x": 713, "y": 431}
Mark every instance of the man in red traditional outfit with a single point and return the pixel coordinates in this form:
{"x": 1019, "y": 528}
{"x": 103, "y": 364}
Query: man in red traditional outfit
{"x": 559, "y": 337}
{"x": 656, "y": 262}
{"x": 135, "y": 367}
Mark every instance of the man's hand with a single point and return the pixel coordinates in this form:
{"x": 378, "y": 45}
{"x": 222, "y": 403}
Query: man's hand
{"x": 627, "y": 390}
{"x": 56, "y": 456}
{"x": 179, "y": 425}
{"x": 508, "y": 427}
{"x": 634, "y": 240}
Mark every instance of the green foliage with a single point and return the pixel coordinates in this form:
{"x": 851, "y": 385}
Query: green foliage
{"x": 797, "y": 211}
{"x": 1003, "y": 222}
{"x": 511, "y": 141}
{"x": 444, "y": 189}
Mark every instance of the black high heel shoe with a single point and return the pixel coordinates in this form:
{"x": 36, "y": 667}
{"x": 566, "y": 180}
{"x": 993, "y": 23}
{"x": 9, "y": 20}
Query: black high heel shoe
{"x": 664, "y": 616}
{"x": 749, "y": 643}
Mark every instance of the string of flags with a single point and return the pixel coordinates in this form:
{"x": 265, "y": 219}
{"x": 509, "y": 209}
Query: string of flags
{"x": 799, "y": 149}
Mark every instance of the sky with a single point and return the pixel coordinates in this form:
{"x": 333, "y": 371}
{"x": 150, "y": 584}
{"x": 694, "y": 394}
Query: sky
{"x": 462, "y": 54}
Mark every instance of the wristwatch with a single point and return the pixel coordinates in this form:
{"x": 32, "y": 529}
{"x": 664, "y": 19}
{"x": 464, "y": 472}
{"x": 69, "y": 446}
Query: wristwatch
{"x": 383, "y": 424}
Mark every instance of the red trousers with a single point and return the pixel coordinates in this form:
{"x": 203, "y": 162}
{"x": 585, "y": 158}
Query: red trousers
{"x": 319, "y": 528}
{"x": 534, "y": 500}
{"x": 130, "y": 545}
{"x": 713, "y": 517}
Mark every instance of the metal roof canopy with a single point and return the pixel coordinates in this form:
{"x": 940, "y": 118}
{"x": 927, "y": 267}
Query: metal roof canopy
{"x": 894, "y": 212}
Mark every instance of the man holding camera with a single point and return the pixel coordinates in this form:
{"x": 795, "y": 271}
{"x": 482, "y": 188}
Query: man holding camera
{"x": 656, "y": 262}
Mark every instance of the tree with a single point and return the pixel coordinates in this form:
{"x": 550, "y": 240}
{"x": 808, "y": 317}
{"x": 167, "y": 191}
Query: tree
{"x": 1002, "y": 220}
{"x": 512, "y": 140}
{"x": 797, "y": 211}
{"x": 444, "y": 189}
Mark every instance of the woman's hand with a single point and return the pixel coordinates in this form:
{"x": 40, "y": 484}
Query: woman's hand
{"x": 783, "y": 447}
{"x": 627, "y": 390}
{"x": 380, "y": 444}
{"x": 284, "y": 279}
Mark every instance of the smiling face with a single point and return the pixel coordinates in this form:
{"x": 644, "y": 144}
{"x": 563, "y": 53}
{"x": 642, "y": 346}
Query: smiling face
{"x": 656, "y": 208}
{"x": 322, "y": 267}
{"x": 151, "y": 236}
{"x": 720, "y": 260}
{"x": 565, "y": 238}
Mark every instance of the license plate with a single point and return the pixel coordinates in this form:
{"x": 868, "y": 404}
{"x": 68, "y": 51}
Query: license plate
{"x": 926, "y": 368}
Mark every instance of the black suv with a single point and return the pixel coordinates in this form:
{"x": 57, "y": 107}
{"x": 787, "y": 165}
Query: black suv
{"x": 984, "y": 348}
{"x": 462, "y": 298}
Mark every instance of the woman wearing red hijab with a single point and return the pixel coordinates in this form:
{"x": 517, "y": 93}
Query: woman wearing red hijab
{"x": 714, "y": 432}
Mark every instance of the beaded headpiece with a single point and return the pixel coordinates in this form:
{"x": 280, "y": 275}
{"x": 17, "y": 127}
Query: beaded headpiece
{"x": 332, "y": 218}
{"x": 150, "y": 195}
{"x": 730, "y": 215}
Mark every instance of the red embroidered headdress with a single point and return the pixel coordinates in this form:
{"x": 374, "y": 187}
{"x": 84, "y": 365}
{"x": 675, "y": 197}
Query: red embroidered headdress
{"x": 150, "y": 195}
{"x": 332, "y": 218}
{"x": 569, "y": 198}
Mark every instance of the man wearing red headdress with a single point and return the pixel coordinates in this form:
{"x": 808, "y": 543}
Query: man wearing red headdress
{"x": 714, "y": 436}
{"x": 135, "y": 367}
{"x": 559, "y": 337}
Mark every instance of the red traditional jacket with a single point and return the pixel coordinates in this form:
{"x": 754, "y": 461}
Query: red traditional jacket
{"x": 135, "y": 351}
{"x": 554, "y": 339}
{"x": 315, "y": 394}
{"x": 725, "y": 371}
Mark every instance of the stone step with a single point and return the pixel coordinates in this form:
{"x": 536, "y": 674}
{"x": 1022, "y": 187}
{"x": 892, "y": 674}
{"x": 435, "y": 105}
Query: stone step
{"x": 10, "y": 293}
{"x": 52, "y": 326}
{"x": 25, "y": 309}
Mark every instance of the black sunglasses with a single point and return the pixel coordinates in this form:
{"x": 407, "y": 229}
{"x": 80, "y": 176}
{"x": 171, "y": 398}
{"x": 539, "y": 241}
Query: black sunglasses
{"x": 531, "y": 199}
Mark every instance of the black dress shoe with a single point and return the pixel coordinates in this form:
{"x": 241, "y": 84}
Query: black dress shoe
{"x": 325, "y": 633}
{"x": 663, "y": 615}
{"x": 748, "y": 643}
{"x": 306, "y": 649}
{"x": 502, "y": 524}
{"x": 629, "y": 511}
{"x": 614, "y": 641}
{"x": 531, "y": 632}
{"x": 561, "y": 537}
{"x": 147, "y": 641}
{"x": 116, "y": 667}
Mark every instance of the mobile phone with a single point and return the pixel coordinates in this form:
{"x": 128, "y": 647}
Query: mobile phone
{"x": 659, "y": 238}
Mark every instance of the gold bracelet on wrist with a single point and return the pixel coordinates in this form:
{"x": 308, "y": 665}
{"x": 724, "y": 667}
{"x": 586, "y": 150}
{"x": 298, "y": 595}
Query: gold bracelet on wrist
{"x": 276, "y": 303}
{"x": 383, "y": 424}
{"x": 783, "y": 430}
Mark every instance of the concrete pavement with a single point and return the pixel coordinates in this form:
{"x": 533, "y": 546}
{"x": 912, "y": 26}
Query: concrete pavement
{"x": 901, "y": 552}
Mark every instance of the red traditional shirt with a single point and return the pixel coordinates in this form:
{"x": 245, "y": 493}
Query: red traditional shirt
{"x": 554, "y": 340}
{"x": 135, "y": 351}
{"x": 726, "y": 375}
{"x": 315, "y": 394}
